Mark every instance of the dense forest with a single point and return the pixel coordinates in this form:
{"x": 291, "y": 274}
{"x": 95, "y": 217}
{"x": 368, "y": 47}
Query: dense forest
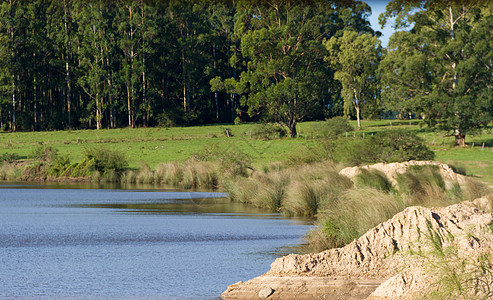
{"x": 72, "y": 64}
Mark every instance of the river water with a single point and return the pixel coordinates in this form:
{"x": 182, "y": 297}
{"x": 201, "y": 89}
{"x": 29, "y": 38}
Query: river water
{"x": 59, "y": 242}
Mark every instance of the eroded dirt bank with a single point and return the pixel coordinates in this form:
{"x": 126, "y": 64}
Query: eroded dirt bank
{"x": 390, "y": 261}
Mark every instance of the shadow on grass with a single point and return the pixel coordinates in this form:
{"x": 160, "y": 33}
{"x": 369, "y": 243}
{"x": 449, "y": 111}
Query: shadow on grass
{"x": 487, "y": 143}
{"x": 391, "y": 123}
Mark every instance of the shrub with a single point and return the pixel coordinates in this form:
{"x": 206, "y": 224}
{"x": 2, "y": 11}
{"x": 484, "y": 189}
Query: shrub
{"x": 386, "y": 146}
{"x": 58, "y": 165}
{"x": 9, "y": 157}
{"x": 44, "y": 153}
{"x": 269, "y": 131}
{"x": 335, "y": 126}
{"x": 400, "y": 145}
{"x": 106, "y": 161}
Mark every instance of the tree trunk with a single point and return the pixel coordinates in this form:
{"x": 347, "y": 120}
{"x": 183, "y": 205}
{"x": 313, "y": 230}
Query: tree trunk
{"x": 292, "y": 129}
{"x": 129, "y": 107}
{"x": 460, "y": 138}
{"x": 67, "y": 69}
{"x": 357, "y": 117}
{"x": 356, "y": 106}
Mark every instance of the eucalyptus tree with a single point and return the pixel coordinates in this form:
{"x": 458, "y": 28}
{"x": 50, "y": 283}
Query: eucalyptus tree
{"x": 355, "y": 58}
{"x": 61, "y": 29}
{"x": 134, "y": 32}
{"x": 282, "y": 44}
{"x": 442, "y": 67}
{"x": 94, "y": 31}
{"x": 285, "y": 78}
{"x": 10, "y": 23}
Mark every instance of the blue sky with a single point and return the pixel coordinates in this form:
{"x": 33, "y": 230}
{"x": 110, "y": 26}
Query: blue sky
{"x": 377, "y": 7}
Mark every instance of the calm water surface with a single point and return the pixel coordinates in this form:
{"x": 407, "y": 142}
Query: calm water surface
{"x": 61, "y": 243}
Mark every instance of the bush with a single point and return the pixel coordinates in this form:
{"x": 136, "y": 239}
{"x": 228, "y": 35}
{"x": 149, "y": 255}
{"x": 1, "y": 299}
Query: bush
{"x": 400, "y": 145}
{"x": 44, "y": 153}
{"x": 386, "y": 146}
{"x": 9, "y": 157}
{"x": 106, "y": 161}
{"x": 58, "y": 165}
{"x": 269, "y": 131}
{"x": 334, "y": 127}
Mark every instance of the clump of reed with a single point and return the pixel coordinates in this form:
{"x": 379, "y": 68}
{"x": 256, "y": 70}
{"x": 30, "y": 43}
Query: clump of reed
{"x": 314, "y": 188}
{"x": 352, "y": 214}
{"x": 265, "y": 190}
{"x": 294, "y": 191}
{"x": 373, "y": 179}
{"x": 9, "y": 171}
{"x": 187, "y": 175}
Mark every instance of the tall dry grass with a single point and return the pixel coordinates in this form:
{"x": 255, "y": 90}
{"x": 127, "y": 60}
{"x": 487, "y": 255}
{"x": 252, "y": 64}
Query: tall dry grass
{"x": 9, "y": 171}
{"x": 295, "y": 191}
{"x": 186, "y": 175}
{"x": 359, "y": 209}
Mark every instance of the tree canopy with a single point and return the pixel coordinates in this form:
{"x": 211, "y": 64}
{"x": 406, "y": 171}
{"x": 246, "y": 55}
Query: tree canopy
{"x": 354, "y": 58}
{"x": 74, "y": 64}
{"x": 442, "y": 67}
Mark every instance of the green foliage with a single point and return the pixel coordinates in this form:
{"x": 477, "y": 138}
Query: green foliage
{"x": 44, "y": 153}
{"x": 400, "y": 145}
{"x": 386, "y": 146}
{"x": 281, "y": 46}
{"x": 268, "y": 131}
{"x": 9, "y": 157}
{"x": 441, "y": 69}
{"x": 355, "y": 58}
{"x": 106, "y": 161}
{"x": 58, "y": 165}
{"x": 334, "y": 127}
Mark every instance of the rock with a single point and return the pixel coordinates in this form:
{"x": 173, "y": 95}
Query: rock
{"x": 265, "y": 292}
{"x": 378, "y": 264}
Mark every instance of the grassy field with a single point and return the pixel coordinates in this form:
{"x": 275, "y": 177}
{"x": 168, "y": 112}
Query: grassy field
{"x": 157, "y": 145}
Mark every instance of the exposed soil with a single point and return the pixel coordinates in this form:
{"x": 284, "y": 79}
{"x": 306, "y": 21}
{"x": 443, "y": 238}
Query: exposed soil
{"x": 381, "y": 264}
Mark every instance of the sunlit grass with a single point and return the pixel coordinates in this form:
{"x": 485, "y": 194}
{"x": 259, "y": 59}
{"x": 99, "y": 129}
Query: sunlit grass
{"x": 153, "y": 146}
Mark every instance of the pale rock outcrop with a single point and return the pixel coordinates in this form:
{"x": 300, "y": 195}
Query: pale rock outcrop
{"x": 391, "y": 170}
{"x": 378, "y": 262}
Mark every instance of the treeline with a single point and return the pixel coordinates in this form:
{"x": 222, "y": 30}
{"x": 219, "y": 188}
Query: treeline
{"x": 72, "y": 64}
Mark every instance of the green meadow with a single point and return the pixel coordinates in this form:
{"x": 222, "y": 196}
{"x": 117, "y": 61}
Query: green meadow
{"x": 160, "y": 145}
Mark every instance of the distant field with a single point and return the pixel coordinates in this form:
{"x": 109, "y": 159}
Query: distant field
{"x": 157, "y": 145}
